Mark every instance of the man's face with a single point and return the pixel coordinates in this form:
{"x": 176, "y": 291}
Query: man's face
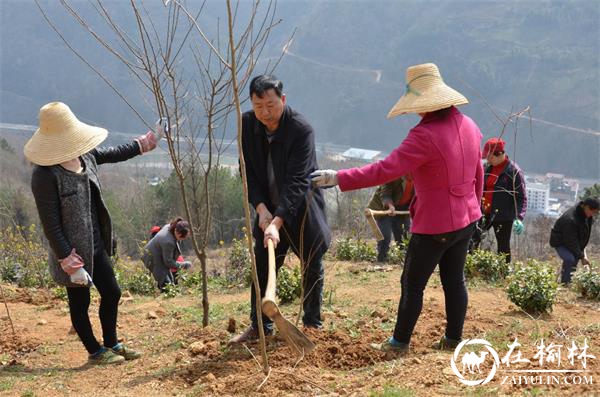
{"x": 589, "y": 212}
{"x": 269, "y": 108}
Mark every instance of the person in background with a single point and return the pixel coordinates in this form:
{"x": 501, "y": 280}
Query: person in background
{"x": 76, "y": 222}
{"x": 279, "y": 152}
{"x": 443, "y": 155}
{"x": 504, "y": 200}
{"x": 392, "y": 196}
{"x": 153, "y": 231}
{"x": 571, "y": 234}
{"x": 162, "y": 251}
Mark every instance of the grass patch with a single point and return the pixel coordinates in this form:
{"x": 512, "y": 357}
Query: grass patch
{"x": 390, "y": 390}
{"x": 482, "y": 391}
{"x": 6, "y": 384}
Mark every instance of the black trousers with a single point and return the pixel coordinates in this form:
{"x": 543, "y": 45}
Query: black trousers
{"x": 398, "y": 225}
{"x": 424, "y": 253}
{"x": 79, "y": 303}
{"x": 502, "y": 231}
{"x": 313, "y": 277}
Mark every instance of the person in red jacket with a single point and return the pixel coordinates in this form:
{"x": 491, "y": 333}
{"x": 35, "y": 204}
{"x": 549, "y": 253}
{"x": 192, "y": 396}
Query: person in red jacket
{"x": 443, "y": 155}
{"x": 504, "y": 200}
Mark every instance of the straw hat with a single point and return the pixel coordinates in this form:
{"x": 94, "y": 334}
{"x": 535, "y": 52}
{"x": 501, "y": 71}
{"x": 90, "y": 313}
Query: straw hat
{"x": 425, "y": 92}
{"x": 61, "y": 136}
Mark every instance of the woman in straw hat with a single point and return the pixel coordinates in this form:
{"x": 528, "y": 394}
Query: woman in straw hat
{"x": 76, "y": 222}
{"x": 443, "y": 155}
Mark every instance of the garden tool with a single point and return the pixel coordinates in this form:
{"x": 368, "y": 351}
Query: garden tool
{"x": 370, "y": 214}
{"x": 292, "y": 335}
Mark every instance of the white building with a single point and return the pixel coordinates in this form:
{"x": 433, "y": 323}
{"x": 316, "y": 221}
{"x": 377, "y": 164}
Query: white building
{"x": 538, "y": 195}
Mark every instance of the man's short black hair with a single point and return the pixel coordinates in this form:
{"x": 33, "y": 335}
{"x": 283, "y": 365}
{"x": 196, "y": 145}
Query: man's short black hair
{"x": 592, "y": 202}
{"x": 261, "y": 84}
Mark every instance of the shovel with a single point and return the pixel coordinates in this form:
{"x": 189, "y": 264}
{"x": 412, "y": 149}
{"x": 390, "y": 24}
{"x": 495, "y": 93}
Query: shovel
{"x": 370, "y": 214}
{"x": 292, "y": 335}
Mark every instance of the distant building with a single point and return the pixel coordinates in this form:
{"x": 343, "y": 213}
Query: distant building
{"x": 538, "y": 195}
{"x": 361, "y": 154}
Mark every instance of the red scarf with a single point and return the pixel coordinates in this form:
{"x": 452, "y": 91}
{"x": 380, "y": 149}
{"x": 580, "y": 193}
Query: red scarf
{"x": 490, "y": 182}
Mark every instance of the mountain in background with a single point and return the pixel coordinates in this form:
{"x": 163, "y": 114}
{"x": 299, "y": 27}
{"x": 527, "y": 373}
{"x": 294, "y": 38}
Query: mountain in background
{"x": 345, "y": 68}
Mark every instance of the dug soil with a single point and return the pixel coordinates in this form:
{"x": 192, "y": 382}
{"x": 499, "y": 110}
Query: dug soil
{"x": 181, "y": 358}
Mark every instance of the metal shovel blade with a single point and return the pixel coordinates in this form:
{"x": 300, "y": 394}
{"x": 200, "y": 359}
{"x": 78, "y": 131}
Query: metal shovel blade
{"x": 292, "y": 335}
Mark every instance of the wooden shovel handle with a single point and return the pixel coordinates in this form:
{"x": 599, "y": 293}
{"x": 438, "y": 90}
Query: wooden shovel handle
{"x": 374, "y": 212}
{"x": 272, "y": 280}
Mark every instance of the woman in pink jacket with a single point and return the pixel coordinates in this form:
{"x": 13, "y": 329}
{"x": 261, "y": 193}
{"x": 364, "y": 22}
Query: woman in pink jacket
{"x": 443, "y": 154}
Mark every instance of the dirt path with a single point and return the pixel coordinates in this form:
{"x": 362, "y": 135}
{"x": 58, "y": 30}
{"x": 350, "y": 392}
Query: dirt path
{"x": 181, "y": 358}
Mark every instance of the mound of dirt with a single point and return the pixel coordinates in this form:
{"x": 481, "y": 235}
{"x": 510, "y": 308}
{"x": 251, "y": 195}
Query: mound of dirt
{"x": 16, "y": 345}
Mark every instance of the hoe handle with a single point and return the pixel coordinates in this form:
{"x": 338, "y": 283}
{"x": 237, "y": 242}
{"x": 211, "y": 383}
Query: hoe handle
{"x": 272, "y": 280}
{"x": 388, "y": 213}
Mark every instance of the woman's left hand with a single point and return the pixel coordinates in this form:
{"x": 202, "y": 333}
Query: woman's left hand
{"x": 324, "y": 178}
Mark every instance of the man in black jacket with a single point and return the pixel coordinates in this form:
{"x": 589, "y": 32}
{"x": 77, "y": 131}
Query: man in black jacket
{"x": 279, "y": 152}
{"x": 571, "y": 233}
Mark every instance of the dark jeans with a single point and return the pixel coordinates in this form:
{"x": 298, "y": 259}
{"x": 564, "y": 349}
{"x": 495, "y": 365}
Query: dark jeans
{"x": 79, "y": 303}
{"x": 398, "y": 225}
{"x": 569, "y": 263}
{"x": 449, "y": 250}
{"x": 502, "y": 230}
{"x": 313, "y": 280}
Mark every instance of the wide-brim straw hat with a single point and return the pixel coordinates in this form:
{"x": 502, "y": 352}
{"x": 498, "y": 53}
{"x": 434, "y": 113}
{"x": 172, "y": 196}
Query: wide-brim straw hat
{"x": 426, "y": 92}
{"x": 61, "y": 136}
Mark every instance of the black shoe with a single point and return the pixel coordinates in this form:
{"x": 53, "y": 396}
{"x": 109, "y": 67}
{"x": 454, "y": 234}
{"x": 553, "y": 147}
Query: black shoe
{"x": 446, "y": 344}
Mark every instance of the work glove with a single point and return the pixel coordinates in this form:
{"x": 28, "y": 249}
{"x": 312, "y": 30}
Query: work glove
{"x": 71, "y": 263}
{"x": 324, "y": 178}
{"x": 271, "y": 233}
{"x": 161, "y": 128}
{"x": 518, "y": 226}
{"x": 185, "y": 265}
{"x": 81, "y": 276}
{"x": 147, "y": 142}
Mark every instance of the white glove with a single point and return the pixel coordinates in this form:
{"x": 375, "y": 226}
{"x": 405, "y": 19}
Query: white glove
{"x": 81, "y": 277}
{"x": 324, "y": 178}
{"x": 161, "y": 128}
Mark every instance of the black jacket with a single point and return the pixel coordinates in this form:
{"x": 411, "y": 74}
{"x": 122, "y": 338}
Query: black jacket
{"x": 63, "y": 203}
{"x": 294, "y": 158}
{"x": 572, "y": 230}
{"x": 509, "y": 200}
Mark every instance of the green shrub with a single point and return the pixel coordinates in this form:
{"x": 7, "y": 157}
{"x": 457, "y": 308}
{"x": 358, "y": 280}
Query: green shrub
{"x": 533, "y": 286}
{"x": 171, "y": 290}
{"x": 587, "y": 283}
{"x": 349, "y": 249}
{"x": 239, "y": 266}
{"x": 190, "y": 280}
{"x": 396, "y": 254}
{"x": 135, "y": 279}
{"x": 60, "y": 293}
{"x": 289, "y": 284}
{"x": 23, "y": 258}
{"x": 486, "y": 265}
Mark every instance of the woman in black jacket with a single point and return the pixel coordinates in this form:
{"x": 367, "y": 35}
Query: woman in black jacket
{"x": 76, "y": 221}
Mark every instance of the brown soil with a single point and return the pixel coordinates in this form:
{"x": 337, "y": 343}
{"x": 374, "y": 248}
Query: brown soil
{"x": 182, "y": 358}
